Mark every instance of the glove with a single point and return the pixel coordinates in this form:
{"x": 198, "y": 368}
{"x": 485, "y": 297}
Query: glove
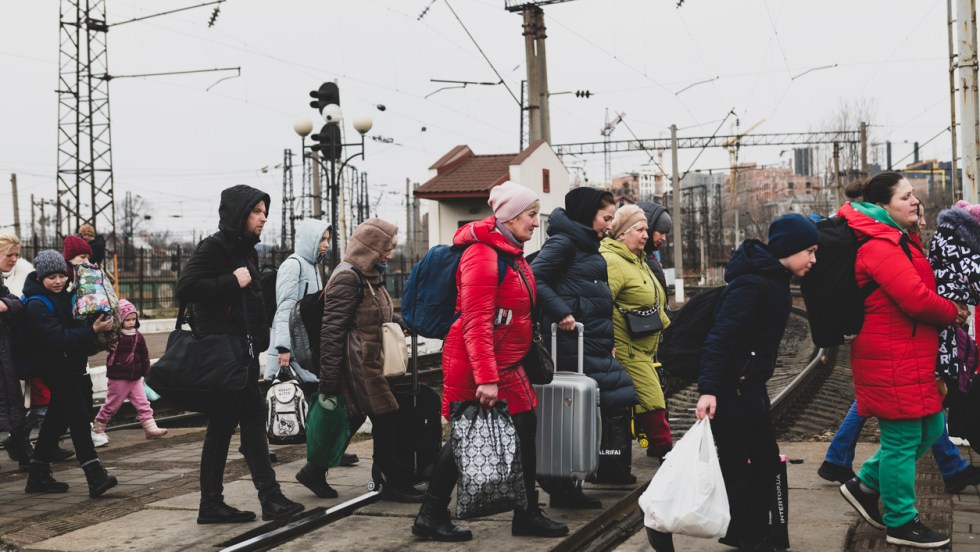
{"x": 327, "y": 403}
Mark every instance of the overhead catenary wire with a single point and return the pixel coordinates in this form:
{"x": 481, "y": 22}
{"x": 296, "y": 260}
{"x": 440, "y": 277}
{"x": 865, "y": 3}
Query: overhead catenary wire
{"x": 482, "y": 53}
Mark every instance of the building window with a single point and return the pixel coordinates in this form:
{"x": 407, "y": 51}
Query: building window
{"x": 545, "y": 181}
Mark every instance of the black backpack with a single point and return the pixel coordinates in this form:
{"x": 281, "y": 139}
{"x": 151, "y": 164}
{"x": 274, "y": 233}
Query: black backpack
{"x": 305, "y": 320}
{"x": 683, "y": 340}
{"x": 267, "y": 279}
{"x": 834, "y": 302}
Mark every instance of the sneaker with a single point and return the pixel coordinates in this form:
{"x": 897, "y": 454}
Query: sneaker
{"x": 966, "y": 478}
{"x": 916, "y": 535}
{"x": 835, "y": 472}
{"x": 866, "y": 504}
{"x": 99, "y": 439}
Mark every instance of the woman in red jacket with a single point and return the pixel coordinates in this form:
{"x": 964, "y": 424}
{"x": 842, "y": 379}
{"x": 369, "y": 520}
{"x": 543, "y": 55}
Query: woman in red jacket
{"x": 481, "y": 357}
{"x": 893, "y": 358}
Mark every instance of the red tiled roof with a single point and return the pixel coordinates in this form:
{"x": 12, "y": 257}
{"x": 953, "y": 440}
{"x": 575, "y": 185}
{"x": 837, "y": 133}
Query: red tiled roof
{"x": 461, "y": 173}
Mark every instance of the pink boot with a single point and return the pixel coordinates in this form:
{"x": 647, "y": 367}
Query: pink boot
{"x": 151, "y": 429}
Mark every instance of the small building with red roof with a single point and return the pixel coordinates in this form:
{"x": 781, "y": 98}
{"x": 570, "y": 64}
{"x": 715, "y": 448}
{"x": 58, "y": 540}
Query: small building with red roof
{"x": 460, "y": 181}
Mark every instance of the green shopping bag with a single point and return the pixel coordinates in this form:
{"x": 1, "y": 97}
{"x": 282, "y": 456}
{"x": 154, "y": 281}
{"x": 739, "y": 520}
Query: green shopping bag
{"x": 327, "y": 433}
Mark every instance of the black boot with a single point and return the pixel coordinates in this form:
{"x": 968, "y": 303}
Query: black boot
{"x": 40, "y": 480}
{"x": 277, "y": 506}
{"x": 433, "y": 522}
{"x": 99, "y": 480}
{"x": 349, "y": 459}
{"x": 219, "y": 512}
{"x": 573, "y": 497}
{"x": 400, "y": 492}
{"x": 62, "y": 455}
{"x": 19, "y": 448}
{"x": 314, "y": 478}
{"x": 531, "y": 522}
{"x": 661, "y": 542}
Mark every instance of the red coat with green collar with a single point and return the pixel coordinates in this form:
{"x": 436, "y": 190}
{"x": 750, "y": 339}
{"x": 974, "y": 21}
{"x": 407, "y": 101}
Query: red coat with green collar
{"x": 893, "y": 358}
{"x": 479, "y": 348}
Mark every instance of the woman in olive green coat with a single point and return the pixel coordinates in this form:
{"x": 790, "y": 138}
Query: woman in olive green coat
{"x": 635, "y": 289}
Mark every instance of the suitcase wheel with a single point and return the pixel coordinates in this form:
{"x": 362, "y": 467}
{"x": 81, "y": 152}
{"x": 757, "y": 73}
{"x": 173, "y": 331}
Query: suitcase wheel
{"x": 374, "y": 485}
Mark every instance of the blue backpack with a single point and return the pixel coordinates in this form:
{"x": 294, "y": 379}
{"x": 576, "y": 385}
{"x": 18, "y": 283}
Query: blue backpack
{"x": 24, "y": 350}
{"x": 429, "y": 295}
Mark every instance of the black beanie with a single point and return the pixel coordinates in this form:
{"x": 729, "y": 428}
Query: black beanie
{"x": 791, "y": 234}
{"x": 582, "y": 204}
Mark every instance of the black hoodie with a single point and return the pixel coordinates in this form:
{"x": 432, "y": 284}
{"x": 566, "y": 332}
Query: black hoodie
{"x": 208, "y": 284}
{"x": 62, "y": 342}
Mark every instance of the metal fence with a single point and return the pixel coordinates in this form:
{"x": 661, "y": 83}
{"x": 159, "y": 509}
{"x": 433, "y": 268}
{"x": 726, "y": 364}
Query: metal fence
{"x": 148, "y": 277}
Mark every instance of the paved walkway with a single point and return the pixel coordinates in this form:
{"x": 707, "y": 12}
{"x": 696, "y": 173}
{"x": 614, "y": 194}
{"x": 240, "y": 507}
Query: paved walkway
{"x": 155, "y": 505}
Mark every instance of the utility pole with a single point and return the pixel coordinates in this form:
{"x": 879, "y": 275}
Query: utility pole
{"x": 957, "y": 190}
{"x": 676, "y": 231}
{"x": 539, "y": 118}
{"x": 13, "y": 187}
{"x": 408, "y": 219}
{"x": 33, "y": 227}
{"x": 44, "y": 222}
{"x": 837, "y": 184}
{"x": 863, "y": 130}
{"x": 966, "y": 17}
{"x": 317, "y": 194}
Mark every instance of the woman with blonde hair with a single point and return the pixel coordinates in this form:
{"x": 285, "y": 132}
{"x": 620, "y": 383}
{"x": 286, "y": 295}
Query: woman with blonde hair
{"x": 13, "y": 267}
{"x": 639, "y": 317}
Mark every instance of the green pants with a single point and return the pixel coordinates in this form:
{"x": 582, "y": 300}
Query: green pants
{"x": 891, "y": 469}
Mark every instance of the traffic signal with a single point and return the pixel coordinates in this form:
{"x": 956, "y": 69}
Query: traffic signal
{"x": 328, "y": 141}
{"x": 327, "y": 94}
{"x": 582, "y": 93}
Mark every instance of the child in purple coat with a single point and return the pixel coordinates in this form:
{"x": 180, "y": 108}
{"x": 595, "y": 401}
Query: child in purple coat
{"x": 125, "y": 368}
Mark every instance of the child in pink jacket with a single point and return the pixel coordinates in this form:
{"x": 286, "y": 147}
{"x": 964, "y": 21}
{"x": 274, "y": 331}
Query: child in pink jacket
{"x": 125, "y": 368}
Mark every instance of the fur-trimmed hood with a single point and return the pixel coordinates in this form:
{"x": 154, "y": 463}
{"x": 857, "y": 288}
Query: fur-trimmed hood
{"x": 964, "y": 227}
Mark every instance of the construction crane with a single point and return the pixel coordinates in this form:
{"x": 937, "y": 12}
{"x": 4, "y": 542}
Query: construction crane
{"x": 607, "y": 131}
{"x": 733, "y": 144}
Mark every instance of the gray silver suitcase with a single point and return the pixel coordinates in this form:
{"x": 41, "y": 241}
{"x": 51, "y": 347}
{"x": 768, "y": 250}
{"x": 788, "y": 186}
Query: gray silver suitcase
{"x": 568, "y": 419}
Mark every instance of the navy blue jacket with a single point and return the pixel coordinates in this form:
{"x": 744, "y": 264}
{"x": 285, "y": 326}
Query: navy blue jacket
{"x": 571, "y": 278}
{"x": 62, "y": 342}
{"x": 741, "y": 348}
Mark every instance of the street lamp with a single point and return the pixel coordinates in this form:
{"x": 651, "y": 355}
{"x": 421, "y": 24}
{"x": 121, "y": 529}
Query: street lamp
{"x": 329, "y": 141}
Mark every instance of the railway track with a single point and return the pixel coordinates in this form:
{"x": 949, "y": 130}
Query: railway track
{"x": 809, "y": 397}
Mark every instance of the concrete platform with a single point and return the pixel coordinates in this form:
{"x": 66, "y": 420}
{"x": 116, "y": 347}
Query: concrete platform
{"x": 155, "y": 506}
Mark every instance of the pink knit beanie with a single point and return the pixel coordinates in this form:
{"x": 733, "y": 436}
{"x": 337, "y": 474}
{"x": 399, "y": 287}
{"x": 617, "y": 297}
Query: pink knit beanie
{"x": 509, "y": 200}
{"x": 972, "y": 208}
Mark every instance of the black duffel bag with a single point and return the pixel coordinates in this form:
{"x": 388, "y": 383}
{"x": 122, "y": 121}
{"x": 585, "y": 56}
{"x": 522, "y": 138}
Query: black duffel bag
{"x": 195, "y": 371}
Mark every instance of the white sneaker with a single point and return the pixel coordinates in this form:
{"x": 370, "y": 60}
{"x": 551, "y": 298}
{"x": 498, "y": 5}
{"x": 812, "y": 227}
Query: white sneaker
{"x": 99, "y": 439}
{"x": 958, "y": 441}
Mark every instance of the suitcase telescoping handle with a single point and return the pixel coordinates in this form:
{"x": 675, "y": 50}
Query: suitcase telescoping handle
{"x": 580, "y": 328}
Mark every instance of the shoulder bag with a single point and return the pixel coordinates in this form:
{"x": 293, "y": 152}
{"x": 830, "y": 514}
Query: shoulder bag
{"x": 538, "y": 364}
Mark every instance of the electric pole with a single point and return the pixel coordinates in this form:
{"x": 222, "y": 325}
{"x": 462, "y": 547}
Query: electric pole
{"x": 966, "y": 17}
{"x": 13, "y": 187}
{"x": 676, "y": 231}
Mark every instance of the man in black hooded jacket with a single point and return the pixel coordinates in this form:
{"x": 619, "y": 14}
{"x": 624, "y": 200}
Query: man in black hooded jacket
{"x": 221, "y": 286}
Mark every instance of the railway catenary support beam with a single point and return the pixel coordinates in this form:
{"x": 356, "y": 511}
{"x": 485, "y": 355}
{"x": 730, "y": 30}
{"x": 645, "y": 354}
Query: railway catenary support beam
{"x": 697, "y": 142}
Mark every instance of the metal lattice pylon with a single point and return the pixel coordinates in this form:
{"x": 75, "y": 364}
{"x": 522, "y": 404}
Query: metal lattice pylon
{"x": 85, "y": 178}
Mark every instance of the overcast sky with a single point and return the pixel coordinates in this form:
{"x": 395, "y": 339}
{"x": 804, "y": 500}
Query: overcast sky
{"x": 178, "y": 144}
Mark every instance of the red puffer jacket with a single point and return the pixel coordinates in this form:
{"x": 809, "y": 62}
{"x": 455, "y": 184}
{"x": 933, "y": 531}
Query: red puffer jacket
{"x": 893, "y": 358}
{"x": 478, "y": 350}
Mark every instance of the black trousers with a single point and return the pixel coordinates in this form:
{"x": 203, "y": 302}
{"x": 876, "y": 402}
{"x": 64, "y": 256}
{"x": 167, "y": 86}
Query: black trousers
{"x": 445, "y": 472}
{"x": 244, "y": 408}
{"x": 70, "y": 409}
{"x": 749, "y": 456}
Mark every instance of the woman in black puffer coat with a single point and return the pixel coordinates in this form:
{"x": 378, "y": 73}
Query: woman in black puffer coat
{"x": 572, "y": 287}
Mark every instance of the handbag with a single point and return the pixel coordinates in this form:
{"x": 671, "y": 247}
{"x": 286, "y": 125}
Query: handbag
{"x": 488, "y": 456}
{"x": 642, "y": 322}
{"x": 192, "y": 368}
{"x": 394, "y": 350}
{"x": 537, "y": 362}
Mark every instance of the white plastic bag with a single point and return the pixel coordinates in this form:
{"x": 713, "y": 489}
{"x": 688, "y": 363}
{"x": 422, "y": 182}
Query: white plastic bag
{"x": 687, "y": 495}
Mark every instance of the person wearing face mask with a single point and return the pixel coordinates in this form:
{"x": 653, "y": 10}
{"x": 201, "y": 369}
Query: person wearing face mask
{"x": 893, "y": 357}
{"x": 659, "y": 225}
{"x": 572, "y": 287}
{"x": 636, "y": 291}
{"x": 356, "y": 305}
